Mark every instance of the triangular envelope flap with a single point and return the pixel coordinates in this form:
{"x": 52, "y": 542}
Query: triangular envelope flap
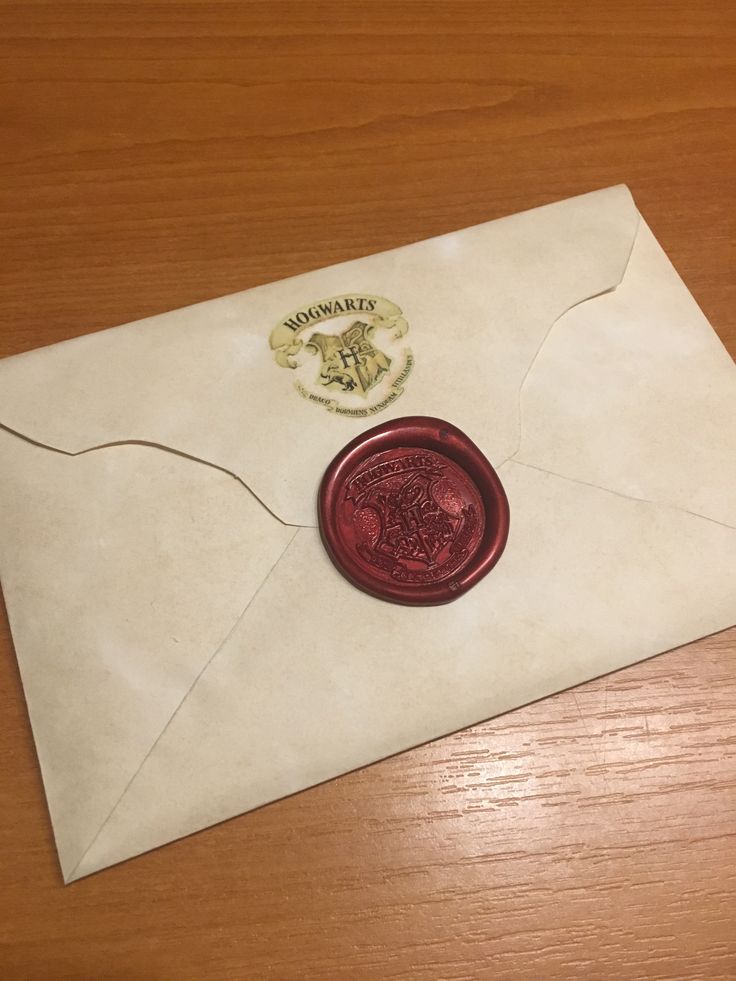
{"x": 590, "y": 581}
{"x": 252, "y": 383}
{"x": 123, "y": 572}
{"x": 635, "y": 392}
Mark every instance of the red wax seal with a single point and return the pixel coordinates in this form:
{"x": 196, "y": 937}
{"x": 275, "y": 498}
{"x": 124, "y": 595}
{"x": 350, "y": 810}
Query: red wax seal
{"x": 411, "y": 511}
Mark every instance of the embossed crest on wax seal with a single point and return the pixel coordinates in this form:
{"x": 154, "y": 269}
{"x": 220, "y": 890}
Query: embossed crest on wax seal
{"x": 411, "y": 511}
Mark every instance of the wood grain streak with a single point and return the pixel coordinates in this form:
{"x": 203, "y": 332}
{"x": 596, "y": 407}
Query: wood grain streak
{"x": 157, "y": 154}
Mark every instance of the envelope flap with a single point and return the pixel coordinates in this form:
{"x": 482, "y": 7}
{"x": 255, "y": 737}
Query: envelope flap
{"x": 635, "y": 393}
{"x": 123, "y": 572}
{"x": 561, "y": 608}
{"x": 253, "y": 383}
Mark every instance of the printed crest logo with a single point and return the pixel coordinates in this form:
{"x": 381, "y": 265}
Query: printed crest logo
{"x": 362, "y": 362}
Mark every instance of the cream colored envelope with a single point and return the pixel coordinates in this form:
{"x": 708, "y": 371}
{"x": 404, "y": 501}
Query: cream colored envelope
{"x": 187, "y": 650}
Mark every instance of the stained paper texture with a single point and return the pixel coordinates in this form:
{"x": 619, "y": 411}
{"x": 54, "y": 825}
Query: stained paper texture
{"x": 187, "y": 650}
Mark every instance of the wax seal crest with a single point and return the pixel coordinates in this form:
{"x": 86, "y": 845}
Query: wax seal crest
{"x": 412, "y": 511}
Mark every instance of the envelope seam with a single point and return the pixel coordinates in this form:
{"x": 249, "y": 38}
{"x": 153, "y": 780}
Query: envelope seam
{"x": 628, "y": 497}
{"x": 151, "y": 445}
{"x": 543, "y": 342}
{"x": 186, "y": 695}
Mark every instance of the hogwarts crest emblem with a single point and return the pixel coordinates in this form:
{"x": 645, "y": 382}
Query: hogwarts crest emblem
{"x": 417, "y": 517}
{"x": 411, "y": 511}
{"x": 347, "y": 353}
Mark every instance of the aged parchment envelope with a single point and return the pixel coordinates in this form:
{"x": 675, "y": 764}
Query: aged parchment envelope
{"x": 187, "y": 650}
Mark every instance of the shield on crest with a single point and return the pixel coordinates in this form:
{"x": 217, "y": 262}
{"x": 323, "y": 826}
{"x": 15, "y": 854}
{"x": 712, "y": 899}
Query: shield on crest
{"x": 412, "y": 525}
{"x": 350, "y": 360}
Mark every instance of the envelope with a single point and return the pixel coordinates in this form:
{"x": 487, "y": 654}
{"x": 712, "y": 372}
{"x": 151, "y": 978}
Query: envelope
{"x": 188, "y": 651}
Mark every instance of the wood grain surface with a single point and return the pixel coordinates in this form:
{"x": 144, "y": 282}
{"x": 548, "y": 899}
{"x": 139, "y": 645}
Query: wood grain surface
{"x": 155, "y": 154}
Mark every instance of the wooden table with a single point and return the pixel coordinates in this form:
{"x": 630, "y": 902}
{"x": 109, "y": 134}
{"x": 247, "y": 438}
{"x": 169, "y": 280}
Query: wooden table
{"x": 158, "y": 154}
